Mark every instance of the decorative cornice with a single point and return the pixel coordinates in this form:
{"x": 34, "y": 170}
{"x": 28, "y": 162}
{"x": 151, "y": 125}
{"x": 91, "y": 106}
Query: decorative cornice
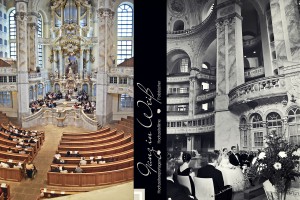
{"x": 36, "y": 14}
{"x": 105, "y": 12}
{"x": 229, "y": 2}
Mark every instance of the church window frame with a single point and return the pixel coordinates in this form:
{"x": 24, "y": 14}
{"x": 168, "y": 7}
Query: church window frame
{"x": 294, "y": 125}
{"x": 5, "y": 99}
{"x": 12, "y": 34}
{"x": 258, "y": 130}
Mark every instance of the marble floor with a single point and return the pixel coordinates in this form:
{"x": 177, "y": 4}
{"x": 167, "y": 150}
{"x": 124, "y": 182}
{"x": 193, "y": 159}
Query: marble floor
{"x": 30, "y": 189}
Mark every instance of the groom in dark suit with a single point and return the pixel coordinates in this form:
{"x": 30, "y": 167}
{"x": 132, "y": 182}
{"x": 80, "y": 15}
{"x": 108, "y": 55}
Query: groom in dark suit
{"x": 210, "y": 171}
{"x": 235, "y": 158}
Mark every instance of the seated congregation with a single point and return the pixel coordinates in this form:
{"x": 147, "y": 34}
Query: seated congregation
{"x": 219, "y": 176}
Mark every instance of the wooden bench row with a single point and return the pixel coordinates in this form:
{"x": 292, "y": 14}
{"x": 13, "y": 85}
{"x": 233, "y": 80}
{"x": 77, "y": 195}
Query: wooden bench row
{"x": 11, "y": 174}
{"x": 103, "y": 152}
{"x": 107, "y": 158}
{"x": 50, "y": 193}
{"x": 118, "y": 136}
{"x": 38, "y": 143}
{"x": 15, "y": 156}
{"x": 93, "y": 137}
{"x": 95, "y": 147}
{"x": 40, "y": 133}
{"x": 102, "y": 130}
{"x": 90, "y": 168}
{"x": 89, "y": 179}
{"x": 28, "y": 151}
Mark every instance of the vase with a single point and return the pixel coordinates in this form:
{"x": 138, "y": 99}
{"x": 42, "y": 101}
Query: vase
{"x": 271, "y": 192}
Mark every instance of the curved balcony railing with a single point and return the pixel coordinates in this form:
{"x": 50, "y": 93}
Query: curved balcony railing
{"x": 210, "y": 20}
{"x": 206, "y": 77}
{"x": 177, "y": 113}
{"x": 175, "y": 118}
{"x": 185, "y": 130}
{"x": 88, "y": 120}
{"x": 177, "y": 79}
{"x": 207, "y": 96}
{"x": 177, "y": 100}
{"x": 33, "y": 116}
{"x": 170, "y": 94}
{"x": 260, "y": 88}
{"x": 251, "y": 42}
{"x": 205, "y": 71}
{"x": 254, "y": 73}
{"x": 34, "y": 75}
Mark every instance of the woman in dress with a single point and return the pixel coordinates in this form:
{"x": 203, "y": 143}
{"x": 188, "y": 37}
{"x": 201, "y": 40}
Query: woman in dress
{"x": 232, "y": 175}
{"x": 185, "y": 170}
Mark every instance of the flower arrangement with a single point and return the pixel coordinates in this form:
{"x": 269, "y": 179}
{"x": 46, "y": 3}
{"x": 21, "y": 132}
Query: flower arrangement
{"x": 277, "y": 163}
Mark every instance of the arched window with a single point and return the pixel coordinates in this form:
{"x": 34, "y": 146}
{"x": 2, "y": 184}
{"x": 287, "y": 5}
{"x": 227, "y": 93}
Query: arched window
{"x": 1, "y": 27}
{"x": 1, "y": 54}
{"x": 274, "y": 121}
{"x": 258, "y": 132}
{"x": 244, "y": 132}
{"x": 124, "y": 32}
{"x": 294, "y": 125}
{"x": 1, "y": 41}
{"x": 178, "y": 25}
{"x": 184, "y": 65}
{"x": 5, "y": 29}
{"x": 12, "y": 34}
{"x": 0, "y": 13}
{"x": 40, "y": 34}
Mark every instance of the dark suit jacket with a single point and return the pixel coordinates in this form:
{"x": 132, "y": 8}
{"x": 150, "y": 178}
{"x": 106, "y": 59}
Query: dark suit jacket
{"x": 210, "y": 171}
{"x": 177, "y": 192}
{"x": 234, "y": 161}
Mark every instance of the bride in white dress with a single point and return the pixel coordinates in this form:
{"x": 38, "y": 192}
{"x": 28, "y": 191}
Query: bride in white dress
{"x": 232, "y": 175}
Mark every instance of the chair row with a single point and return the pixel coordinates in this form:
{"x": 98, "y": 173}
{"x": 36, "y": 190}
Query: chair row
{"x": 79, "y": 137}
{"x": 95, "y": 147}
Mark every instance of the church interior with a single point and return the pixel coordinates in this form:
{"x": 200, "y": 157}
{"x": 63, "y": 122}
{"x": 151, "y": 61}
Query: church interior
{"x": 66, "y": 99}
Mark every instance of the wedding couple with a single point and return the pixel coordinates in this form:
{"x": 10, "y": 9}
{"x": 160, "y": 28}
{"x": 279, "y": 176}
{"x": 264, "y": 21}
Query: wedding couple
{"x": 230, "y": 166}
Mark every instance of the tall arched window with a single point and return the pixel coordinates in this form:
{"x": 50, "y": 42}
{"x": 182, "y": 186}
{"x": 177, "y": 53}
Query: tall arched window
{"x": 12, "y": 34}
{"x": 184, "y": 65}
{"x": 244, "y": 133}
{"x": 257, "y": 130}
{"x": 40, "y": 35}
{"x": 125, "y": 30}
{"x": 294, "y": 125}
{"x": 274, "y": 121}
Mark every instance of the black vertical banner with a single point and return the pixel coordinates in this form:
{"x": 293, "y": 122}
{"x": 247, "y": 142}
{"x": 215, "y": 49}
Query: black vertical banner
{"x": 150, "y": 99}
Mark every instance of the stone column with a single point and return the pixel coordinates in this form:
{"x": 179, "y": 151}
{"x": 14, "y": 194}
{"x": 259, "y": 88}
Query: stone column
{"x": 32, "y": 41}
{"x": 230, "y": 69}
{"x": 80, "y": 64}
{"x": 285, "y": 22}
{"x": 88, "y": 63}
{"x": 189, "y": 143}
{"x": 54, "y": 63}
{"x": 22, "y": 61}
{"x": 104, "y": 100}
{"x": 192, "y": 93}
{"x": 60, "y": 61}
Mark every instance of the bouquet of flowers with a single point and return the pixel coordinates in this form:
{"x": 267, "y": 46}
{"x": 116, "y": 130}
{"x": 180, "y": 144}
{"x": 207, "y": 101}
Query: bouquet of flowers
{"x": 277, "y": 163}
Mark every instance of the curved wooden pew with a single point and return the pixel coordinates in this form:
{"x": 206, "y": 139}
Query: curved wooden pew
{"x": 97, "y": 141}
{"x": 102, "y": 130}
{"x": 89, "y": 179}
{"x": 13, "y": 144}
{"x": 94, "y": 137}
{"x": 103, "y": 152}
{"x": 107, "y": 158}
{"x": 38, "y": 133}
{"x": 94, "y": 147}
{"x": 15, "y": 156}
{"x": 11, "y": 174}
{"x": 90, "y": 168}
{"x": 29, "y": 151}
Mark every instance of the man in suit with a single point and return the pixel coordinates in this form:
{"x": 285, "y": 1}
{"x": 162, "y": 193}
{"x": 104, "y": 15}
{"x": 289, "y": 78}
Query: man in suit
{"x": 174, "y": 190}
{"x": 209, "y": 171}
{"x": 234, "y": 158}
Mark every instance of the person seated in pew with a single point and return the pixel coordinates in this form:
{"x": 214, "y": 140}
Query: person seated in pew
{"x": 10, "y": 138}
{"x": 57, "y": 155}
{"x": 56, "y": 169}
{"x": 9, "y": 150}
{"x": 93, "y": 161}
{"x": 82, "y": 161}
{"x": 77, "y": 154}
{"x": 78, "y": 169}
{"x": 4, "y": 165}
{"x": 68, "y": 154}
{"x": 19, "y": 165}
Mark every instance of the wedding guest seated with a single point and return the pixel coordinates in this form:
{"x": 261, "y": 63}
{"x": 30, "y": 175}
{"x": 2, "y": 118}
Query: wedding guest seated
{"x": 82, "y": 161}
{"x": 93, "y": 161}
{"x": 68, "y": 154}
{"x": 174, "y": 190}
{"x": 209, "y": 171}
{"x": 9, "y": 150}
{"x": 4, "y": 165}
{"x": 78, "y": 169}
{"x": 19, "y": 165}
{"x": 185, "y": 170}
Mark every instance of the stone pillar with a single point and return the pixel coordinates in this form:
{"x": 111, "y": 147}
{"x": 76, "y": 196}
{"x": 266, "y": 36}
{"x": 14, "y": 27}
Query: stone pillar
{"x": 104, "y": 100}
{"x": 189, "y": 143}
{"x": 22, "y": 61}
{"x": 88, "y": 63}
{"x": 80, "y": 64}
{"x": 60, "y": 61}
{"x": 230, "y": 69}
{"x": 192, "y": 93}
{"x": 32, "y": 41}
{"x": 54, "y": 63}
{"x": 285, "y": 21}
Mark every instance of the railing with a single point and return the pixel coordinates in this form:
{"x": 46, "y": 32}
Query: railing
{"x": 206, "y": 77}
{"x": 251, "y": 42}
{"x": 210, "y": 19}
{"x": 187, "y": 118}
{"x": 255, "y": 72}
{"x": 33, "y": 75}
{"x": 34, "y": 116}
{"x": 257, "y": 89}
{"x": 206, "y": 96}
{"x": 87, "y": 119}
{"x": 175, "y": 79}
{"x": 177, "y": 100}
{"x": 185, "y": 130}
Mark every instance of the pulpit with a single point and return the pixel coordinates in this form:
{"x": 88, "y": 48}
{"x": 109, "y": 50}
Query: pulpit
{"x": 61, "y": 118}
